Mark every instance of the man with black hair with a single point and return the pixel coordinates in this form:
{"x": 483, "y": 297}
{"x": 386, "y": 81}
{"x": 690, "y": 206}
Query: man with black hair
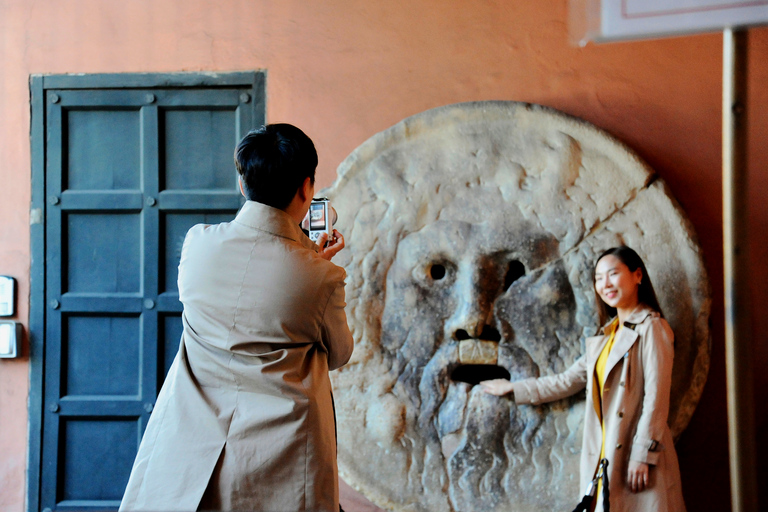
{"x": 245, "y": 419}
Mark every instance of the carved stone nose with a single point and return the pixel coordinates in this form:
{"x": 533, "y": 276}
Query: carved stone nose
{"x": 488, "y": 333}
{"x": 472, "y": 319}
{"x": 472, "y": 322}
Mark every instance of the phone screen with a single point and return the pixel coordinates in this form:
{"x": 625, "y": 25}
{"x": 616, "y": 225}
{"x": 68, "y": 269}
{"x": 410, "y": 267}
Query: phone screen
{"x": 317, "y": 216}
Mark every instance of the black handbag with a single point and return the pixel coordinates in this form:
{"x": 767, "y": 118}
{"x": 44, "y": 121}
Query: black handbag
{"x": 589, "y": 496}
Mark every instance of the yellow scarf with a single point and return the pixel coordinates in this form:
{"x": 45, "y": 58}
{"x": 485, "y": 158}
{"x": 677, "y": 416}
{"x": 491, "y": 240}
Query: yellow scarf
{"x": 600, "y": 381}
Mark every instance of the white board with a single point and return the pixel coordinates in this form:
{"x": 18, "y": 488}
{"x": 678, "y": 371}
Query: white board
{"x": 634, "y": 19}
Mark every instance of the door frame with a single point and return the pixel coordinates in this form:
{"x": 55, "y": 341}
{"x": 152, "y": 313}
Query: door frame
{"x": 39, "y": 84}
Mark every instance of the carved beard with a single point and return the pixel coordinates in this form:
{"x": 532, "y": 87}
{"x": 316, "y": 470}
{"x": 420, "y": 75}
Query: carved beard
{"x": 492, "y": 451}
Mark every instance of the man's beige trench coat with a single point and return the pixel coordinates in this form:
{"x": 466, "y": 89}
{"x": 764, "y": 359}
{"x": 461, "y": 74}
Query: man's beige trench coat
{"x": 245, "y": 415}
{"x": 635, "y": 407}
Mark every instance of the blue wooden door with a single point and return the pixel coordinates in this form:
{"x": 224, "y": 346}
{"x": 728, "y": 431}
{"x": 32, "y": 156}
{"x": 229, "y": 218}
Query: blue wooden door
{"x": 127, "y": 171}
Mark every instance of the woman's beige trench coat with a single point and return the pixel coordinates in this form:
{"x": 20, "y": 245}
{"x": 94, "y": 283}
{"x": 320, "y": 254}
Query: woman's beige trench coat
{"x": 635, "y": 407}
{"x": 245, "y": 420}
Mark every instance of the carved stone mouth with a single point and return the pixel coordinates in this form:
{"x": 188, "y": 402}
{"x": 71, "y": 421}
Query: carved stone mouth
{"x": 473, "y": 374}
{"x": 478, "y": 358}
{"x": 464, "y": 400}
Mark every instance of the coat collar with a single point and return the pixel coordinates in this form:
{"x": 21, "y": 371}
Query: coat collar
{"x": 625, "y": 338}
{"x": 272, "y": 220}
{"x": 637, "y": 316}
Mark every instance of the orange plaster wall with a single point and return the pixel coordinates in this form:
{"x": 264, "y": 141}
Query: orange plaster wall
{"x": 346, "y": 69}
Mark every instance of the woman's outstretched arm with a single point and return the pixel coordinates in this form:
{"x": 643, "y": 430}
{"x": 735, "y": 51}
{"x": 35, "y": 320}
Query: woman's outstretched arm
{"x": 543, "y": 389}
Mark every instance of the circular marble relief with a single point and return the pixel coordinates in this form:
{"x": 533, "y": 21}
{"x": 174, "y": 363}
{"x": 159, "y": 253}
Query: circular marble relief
{"x": 471, "y": 234}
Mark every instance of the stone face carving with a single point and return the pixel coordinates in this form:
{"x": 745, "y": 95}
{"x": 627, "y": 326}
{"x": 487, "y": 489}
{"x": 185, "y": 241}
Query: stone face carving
{"x": 472, "y": 230}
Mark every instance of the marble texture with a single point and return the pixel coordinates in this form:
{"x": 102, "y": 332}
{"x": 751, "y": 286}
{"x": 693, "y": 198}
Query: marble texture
{"x": 471, "y": 233}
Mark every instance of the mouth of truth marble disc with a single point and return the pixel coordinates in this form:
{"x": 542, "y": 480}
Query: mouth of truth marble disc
{"x": 471, "y": 234}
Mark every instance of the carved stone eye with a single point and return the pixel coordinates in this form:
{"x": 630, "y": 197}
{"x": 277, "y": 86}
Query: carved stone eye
{"x": 437, "y": 271}
{"x": 515, "y": 271}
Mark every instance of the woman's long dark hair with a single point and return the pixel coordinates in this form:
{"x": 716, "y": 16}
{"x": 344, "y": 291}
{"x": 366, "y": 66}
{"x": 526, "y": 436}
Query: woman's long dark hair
{"x": 645, "y": 293}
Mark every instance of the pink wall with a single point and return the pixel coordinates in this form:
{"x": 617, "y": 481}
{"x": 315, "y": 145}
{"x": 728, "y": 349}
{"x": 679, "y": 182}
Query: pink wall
{"x": 344, "y": 70}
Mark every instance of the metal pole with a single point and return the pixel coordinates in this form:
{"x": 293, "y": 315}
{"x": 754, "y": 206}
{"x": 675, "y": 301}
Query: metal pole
{"x": 741, "y": 436}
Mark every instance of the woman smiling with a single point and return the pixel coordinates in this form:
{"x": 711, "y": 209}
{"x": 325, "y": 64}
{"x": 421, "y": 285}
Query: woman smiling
{"x": 627, "y": 373}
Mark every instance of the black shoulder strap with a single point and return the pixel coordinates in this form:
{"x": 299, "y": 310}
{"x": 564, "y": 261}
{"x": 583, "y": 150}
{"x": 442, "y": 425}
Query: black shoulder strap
{"x": 586, "y": 501}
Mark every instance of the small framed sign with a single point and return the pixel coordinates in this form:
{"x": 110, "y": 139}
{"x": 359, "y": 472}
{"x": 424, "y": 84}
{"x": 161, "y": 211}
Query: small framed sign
{"x": 7, "y": 296}
{"x": 611, "y": 20}
{"x": 10, "y": 337}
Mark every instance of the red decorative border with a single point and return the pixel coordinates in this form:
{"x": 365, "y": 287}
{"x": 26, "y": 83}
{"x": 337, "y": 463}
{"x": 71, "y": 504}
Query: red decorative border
{"x": 687, "y": 11}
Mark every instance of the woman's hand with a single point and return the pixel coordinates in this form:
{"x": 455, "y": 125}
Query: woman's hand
{"x": 637, "y": 476}
{"x": 497, "y": 387}
{"x": 335, "y": 245}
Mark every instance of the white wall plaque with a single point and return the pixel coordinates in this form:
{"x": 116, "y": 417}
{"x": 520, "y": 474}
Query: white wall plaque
{"x": 10, "y": 337}
{"x": 633, "y": 19}
{"x": 7, "y": 296}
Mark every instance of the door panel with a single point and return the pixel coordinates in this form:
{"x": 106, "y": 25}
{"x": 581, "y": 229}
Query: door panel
{"x": 127, "y": 173}
{"x": 97, "y": 458}
{"x": 101, "y": 356}
{"x": 198, "y": 139}
{"x": 171, "y": 327}
{"x": 102, "y": 150}
{"x": 102, "y": 254}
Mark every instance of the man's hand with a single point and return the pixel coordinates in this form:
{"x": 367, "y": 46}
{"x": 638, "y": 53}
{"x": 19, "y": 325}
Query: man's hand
{"x": 337, "y": 244}
{"x": 497, "y": 387}
{"x": 637, "y": 476}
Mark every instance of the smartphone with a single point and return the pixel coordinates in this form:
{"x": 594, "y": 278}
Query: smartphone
{"x": 320, "y": 213}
